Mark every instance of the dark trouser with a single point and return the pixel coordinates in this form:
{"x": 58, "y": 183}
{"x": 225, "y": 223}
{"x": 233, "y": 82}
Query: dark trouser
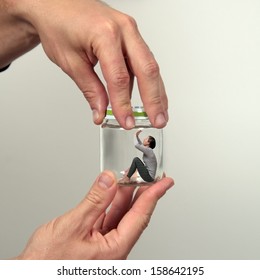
{"x": 142, "y": 170}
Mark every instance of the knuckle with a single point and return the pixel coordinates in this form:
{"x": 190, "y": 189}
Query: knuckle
{"x": 151, "y": 70}
{"x": 155, "y": 100}
{"x": 120, "y": 78}
{"x": 89, "y": 95}
{"x": 129, "y": 22}
{"x": 121, "y": 106}
{"x": 145, "y": 221}
{"x": 94, "y": 198}
{"x": 111, "y": 29}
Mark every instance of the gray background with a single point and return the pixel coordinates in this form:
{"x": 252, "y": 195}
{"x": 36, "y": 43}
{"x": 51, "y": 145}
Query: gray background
{"x": 209, "y": 56}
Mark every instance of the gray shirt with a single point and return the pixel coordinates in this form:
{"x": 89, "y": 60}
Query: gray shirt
{"x": 149, "y": 157}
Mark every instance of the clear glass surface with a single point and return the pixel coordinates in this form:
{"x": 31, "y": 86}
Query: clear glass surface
{"x": 117, "y": 148}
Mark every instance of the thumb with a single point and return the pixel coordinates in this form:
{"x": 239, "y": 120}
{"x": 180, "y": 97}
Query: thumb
{"x": 97, "y": 200}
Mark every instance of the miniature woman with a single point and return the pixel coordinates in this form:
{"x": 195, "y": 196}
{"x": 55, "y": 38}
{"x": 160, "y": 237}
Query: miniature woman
{"x": 147, "y": 167}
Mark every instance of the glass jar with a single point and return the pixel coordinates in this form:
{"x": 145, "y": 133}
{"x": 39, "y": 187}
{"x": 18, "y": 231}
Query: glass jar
{"x": 135, "y": 155}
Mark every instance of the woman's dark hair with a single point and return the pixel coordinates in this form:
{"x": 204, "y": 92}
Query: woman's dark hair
{"x": 152, "y": 142}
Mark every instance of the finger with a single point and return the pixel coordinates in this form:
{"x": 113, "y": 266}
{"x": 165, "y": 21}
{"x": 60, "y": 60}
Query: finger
{"x": 119, "y": 207}
{"x": 138, "y": 217}
{"x": 143, "y": 188}
{"x": 119, "y": 83}
{"x": 97, "y": 99}
{"x": 152, "y": 93}
{"x": 139, "y": 192}
{"x": 101, "y": 194}
{"x": 164, "y": 100}
{"x": 149, "y": 80}
{"x": 81, "y": 70}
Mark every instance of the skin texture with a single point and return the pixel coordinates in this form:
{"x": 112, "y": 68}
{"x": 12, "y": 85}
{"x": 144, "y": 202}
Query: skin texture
{"x": 89, "y": 232}
{"x": 76, "y": 35}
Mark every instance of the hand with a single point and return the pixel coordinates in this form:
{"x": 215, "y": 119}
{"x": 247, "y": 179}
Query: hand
{"x": 77, "y": 34}
{"x": 138, "y": 132}
{"x": 88, "y": 232}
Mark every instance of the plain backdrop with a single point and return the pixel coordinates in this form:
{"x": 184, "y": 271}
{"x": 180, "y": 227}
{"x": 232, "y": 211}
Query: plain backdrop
{"x": 208, "y": 52}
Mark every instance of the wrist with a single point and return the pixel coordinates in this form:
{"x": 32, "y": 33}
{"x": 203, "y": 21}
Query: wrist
{"x": 17, "y": 36}
{"x": 19, "y": 12}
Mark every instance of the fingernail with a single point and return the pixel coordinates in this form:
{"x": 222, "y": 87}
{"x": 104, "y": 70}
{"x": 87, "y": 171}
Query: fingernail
{"x": 95, "y": 115}
{"x": 130, "y": 122}
{"x": 105, "y": 181}
{"x": 160, "y": 120}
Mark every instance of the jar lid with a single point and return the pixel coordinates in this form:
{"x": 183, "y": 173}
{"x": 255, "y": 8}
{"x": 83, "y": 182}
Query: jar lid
{"x": 138, "y": 112}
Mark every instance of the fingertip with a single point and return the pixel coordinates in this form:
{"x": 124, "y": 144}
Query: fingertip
{"x": 158, "y": 116}
{"x": 124, "y": 115}
{"x": 98, "y": 116}
{"x": 167, "y": 182}
{"x": 163, "y": 185}
{"x": 171, "y": 182}
{"x": 129, "y": 122}
{"x": 106, "y": 179}
{"x": 160, "y": 120}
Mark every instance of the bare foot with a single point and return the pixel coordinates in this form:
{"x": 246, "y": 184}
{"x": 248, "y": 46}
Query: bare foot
{"x": 124, "y": 180}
